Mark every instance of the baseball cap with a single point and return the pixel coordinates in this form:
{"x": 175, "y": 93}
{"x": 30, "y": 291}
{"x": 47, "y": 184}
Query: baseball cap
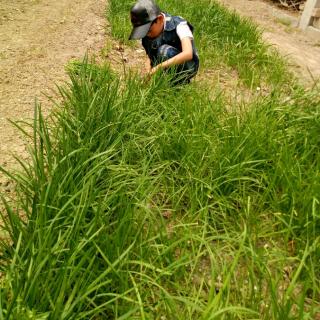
{"x": 142, "y": 15}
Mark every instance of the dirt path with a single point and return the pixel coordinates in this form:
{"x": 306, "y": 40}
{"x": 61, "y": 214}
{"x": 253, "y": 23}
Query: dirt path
{"x": 302, "y": 51}
{"x": 37, "y": 39}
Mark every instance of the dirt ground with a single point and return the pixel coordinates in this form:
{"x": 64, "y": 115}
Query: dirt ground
{"x": 38, "y": 38}
{"x": 278, "y": 25}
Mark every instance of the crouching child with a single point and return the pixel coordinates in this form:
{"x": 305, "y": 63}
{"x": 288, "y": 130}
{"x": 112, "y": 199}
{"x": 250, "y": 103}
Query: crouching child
{"x": 168, "y": 41}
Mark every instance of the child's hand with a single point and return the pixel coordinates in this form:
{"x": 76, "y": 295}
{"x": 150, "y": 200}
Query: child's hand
{"x": 147, "y": 77}
{"x": 154, "y": 70}
{"x": 150, "y": 73}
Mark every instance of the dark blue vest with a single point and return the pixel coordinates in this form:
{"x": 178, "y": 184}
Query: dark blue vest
{"x": 168, "y": 36}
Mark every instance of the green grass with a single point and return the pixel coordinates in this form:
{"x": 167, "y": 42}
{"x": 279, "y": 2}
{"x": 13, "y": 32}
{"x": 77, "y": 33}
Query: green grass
{"x": 240, "y": 189}
{"x": 143, "y": 201}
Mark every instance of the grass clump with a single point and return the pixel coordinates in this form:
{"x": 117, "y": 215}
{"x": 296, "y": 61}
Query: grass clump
{"x": 143, "y": 204}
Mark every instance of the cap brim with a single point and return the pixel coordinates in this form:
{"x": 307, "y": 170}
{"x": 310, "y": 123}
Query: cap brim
{"x": 140, "y": 32}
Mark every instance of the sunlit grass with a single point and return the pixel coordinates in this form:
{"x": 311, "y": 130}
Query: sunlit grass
{"x": 141, "y": 203}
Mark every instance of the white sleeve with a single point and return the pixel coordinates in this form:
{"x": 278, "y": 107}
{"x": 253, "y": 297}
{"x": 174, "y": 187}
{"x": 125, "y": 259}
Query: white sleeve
{"x": 183, "y": 30}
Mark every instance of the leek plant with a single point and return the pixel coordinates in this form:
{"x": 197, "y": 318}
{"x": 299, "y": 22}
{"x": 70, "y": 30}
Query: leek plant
{"x": 141, "y": 203}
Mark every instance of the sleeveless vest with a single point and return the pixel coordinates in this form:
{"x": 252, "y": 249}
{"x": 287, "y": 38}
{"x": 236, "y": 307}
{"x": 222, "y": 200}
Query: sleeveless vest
{"x": 168, "y": 36}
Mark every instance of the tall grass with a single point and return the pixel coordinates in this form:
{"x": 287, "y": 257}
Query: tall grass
{"x": 141, "y": 203}
{"x": 222, "y": 37}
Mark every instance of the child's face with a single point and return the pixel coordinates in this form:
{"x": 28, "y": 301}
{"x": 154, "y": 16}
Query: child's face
{"x": 156, "y": 27}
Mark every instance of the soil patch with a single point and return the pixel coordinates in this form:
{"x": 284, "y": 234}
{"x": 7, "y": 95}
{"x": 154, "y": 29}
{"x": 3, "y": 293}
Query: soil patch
{"x": 37, "y": 39}
{"x": 300, "y": 49}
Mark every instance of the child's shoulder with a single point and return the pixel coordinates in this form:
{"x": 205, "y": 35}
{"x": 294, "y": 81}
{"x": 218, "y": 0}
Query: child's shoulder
{"x": 172, "y": 21}
{"x": 169, "y": 17}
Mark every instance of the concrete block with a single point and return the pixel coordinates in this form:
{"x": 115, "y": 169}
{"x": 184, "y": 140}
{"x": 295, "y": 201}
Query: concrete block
{"x": 316, "y": 13}
{"x": 306, "y": 17}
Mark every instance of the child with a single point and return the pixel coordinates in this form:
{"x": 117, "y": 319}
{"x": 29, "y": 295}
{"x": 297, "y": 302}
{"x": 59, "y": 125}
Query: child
{"x": 167, "y": 40}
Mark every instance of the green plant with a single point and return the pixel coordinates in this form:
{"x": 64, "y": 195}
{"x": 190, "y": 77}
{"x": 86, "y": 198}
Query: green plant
{"x": 141, "y": 203}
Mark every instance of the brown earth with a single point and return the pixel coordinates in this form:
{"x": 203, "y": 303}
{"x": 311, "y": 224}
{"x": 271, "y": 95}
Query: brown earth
{"x": 39, "y": 37}
{"x": 278, "y": 25}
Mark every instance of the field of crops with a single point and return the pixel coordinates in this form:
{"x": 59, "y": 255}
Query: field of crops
{"x": 143, "y": 201}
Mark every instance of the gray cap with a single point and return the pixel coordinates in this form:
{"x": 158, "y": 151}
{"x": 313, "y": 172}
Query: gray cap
{"x": 142, "y": 15}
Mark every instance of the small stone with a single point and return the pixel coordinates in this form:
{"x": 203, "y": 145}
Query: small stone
{"x": 119, "y": 48}
{"x": 167, "y": 214}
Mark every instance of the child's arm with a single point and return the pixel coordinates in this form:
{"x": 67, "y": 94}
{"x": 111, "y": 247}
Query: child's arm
{"x": 182, "y": 57}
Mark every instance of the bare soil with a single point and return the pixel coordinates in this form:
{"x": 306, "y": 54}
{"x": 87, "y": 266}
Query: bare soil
{"x": 39, "y": 37}
{"x": 300, "y": 49}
